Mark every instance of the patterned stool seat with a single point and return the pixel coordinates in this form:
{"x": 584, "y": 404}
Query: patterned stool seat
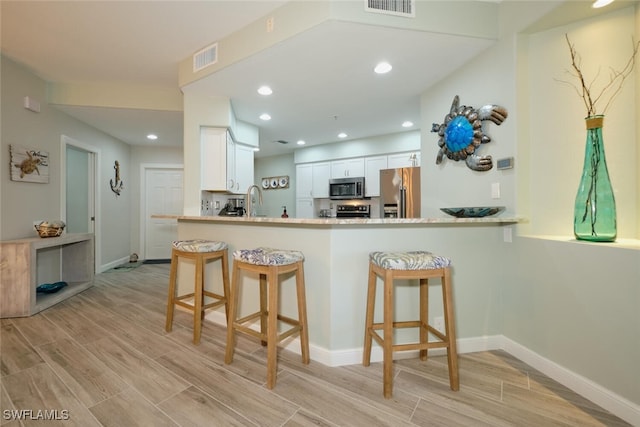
{"x": 199, "y": 245}
{"x": 412, "y": 260}
{"x": 268, "y": 256}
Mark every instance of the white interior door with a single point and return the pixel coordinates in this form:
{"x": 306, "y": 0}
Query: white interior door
{"x": 163, "y": 196}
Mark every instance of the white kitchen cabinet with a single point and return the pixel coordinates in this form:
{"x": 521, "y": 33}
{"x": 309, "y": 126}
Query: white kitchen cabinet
{"x": 347, "y": 168}
{"x": 304, "y": 181}
{"x": 321, "y": 172}
{"x": 226, "y": 166}
{"x": 213, "y": 157}
{"x": 372, "y": 167}
{"x": 304, "y": 208}
{"x": 403, "y": 160}
{"x": 244, "y": 169}
{"x": 232, "y": 184}
{"x": 312, "y": 180}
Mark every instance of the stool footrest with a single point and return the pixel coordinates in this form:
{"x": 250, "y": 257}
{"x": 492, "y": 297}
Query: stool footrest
{"x": 263, "y": 337}
{"x": 222, "y": 300}
{"x": 413, "y": 324}
{"x": 240, "y": 326}
{"x": 410, "y": 346}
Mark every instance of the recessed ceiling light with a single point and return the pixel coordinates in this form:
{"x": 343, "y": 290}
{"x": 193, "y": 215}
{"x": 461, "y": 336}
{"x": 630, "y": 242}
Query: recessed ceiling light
{"x": 265, "y": 117}
{"x": 407, "y": 124}
{"x": 265, "y": 90}
{"x": 256, "y": 149}
{"x": 301, "y": 142}
{"x": 342, "y": 135}
{"x": 152, "y": 137}
{"x": 601, "y": 3}
{"x": 383, "y": 68}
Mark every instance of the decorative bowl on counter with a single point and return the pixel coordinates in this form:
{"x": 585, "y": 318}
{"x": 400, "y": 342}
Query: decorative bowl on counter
{"x": 473, "y": 212}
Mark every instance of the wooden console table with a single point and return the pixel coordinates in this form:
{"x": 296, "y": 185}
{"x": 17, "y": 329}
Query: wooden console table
{"x": 28, "y": 263}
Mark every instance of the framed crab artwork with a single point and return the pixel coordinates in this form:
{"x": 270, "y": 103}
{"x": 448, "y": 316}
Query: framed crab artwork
{"x": 29, "y": 165}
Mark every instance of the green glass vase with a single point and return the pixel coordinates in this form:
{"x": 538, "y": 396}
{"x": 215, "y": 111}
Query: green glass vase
{"x": 594, "y": 217}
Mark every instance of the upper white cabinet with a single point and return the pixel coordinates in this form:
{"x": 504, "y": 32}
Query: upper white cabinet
{"x": 213, "y": 149}
{"x": 347, "y": 168}
{"x": 243, "y": 168}
{"x": 403, "y": 160}
{"x": 321, "y": 175}
{"x": 372, "y": 167}
{"x": 312, "y": 179}
{"x": 232, "y": 184}
{"x": 226, "y": 166}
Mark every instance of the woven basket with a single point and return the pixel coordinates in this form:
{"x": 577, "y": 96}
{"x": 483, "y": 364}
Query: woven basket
{"x": 48, "y": 230}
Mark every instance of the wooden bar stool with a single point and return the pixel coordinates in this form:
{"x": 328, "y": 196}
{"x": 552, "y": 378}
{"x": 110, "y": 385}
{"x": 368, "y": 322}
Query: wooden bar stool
{"x": 200, "y": 251}
{"x": 409, "y": 265}
{"x": 270, "y": 264}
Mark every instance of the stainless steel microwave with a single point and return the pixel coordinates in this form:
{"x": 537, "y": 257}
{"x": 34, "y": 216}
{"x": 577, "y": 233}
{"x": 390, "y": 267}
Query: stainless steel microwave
{"x": 346, "y": 188}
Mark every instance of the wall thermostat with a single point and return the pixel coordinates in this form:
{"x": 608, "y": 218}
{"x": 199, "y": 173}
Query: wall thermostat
{"x": 506, "y": 163}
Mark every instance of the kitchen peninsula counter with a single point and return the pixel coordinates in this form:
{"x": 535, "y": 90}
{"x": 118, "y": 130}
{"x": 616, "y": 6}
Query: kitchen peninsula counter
{"x": 496, "y": 220}
{"x": 336, "y": 267}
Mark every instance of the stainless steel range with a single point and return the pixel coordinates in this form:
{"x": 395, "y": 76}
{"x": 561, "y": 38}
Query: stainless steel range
{"x": 353, "y": 211}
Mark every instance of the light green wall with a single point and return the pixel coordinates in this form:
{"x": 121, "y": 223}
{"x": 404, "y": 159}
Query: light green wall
{"x": 557, "y": 130}
{"x": 22, "y": 203}
{"x": 575, "y": 304}
{"x": 637, "y": 121}
{"x": 273, "y": 200}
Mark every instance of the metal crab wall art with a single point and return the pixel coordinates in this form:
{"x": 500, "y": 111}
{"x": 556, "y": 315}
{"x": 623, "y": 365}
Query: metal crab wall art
{"x": 461, "y": 133}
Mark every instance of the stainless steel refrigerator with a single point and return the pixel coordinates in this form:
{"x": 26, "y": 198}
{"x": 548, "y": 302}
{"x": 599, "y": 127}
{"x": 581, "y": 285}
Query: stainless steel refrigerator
{"x": 400, "y": 193}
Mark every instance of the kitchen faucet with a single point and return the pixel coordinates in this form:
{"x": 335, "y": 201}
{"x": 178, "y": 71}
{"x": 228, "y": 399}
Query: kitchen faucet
{"x": 250, "y": 210}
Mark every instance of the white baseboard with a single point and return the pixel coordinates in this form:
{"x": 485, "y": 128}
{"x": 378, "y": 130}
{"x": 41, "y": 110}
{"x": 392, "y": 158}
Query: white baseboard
{"x": 113, "y": 264}
{"x": 617, "y": 405}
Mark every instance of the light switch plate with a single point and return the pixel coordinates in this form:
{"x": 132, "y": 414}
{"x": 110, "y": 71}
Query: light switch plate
{"x": 495, "y": 190}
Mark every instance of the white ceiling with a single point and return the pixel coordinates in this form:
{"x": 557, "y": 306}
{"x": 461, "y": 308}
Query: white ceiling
{"x": 322, "y": 79}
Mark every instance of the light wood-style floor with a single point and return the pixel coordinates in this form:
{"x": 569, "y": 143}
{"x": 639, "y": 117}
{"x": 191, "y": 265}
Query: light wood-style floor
{"x": 103, "y": 358}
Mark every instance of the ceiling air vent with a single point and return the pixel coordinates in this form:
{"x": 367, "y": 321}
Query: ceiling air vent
{"x": 405, "y": 8}
{"x": 205, "y": 57}
{"x": 281, "y": 141}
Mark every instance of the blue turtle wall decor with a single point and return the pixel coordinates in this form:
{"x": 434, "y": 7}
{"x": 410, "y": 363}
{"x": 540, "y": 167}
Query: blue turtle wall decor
{"x": 461, "y": 133}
